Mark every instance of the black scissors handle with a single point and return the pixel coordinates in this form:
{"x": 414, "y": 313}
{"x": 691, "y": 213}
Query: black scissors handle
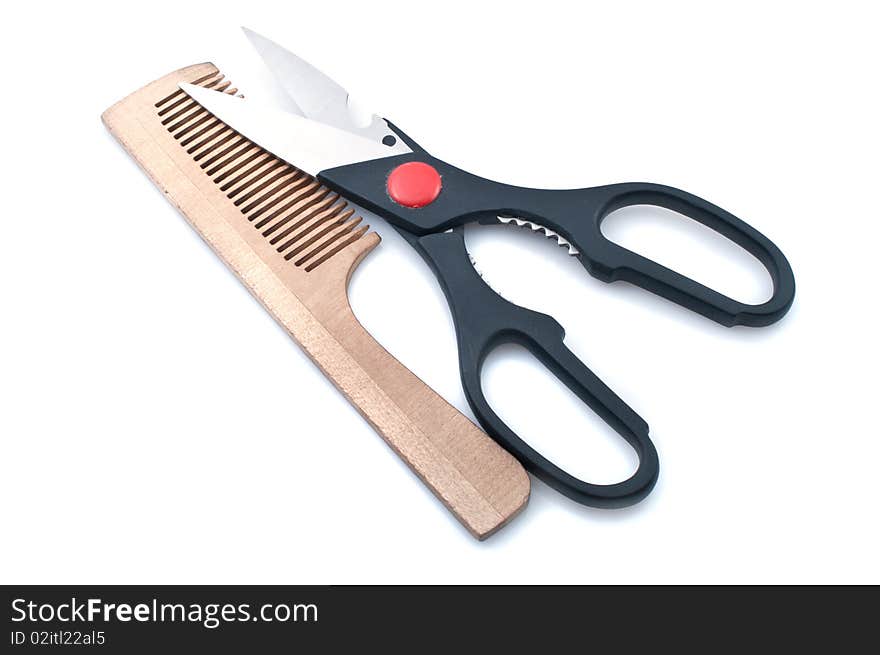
{"x": 483, "y": 321}
{"x": 577, "y": 215}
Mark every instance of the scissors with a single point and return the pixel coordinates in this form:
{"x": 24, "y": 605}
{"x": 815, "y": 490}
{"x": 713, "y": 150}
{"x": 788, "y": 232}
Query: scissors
{"x": 428, "y": 201}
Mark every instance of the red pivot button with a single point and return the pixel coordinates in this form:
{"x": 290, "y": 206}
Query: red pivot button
{"x": 414, "y": 184}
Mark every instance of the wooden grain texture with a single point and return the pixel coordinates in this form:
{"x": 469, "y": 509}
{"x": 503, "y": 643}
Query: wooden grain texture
{"x": 294, "y": 245}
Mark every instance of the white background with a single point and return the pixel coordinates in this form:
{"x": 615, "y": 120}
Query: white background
{"x": 157, "y": 426}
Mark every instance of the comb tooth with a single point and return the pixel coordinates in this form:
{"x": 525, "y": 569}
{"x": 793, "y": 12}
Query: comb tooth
{"x": 169, "y": 98}
{"x": 305, "y": 222}
{"x": 200, "y": 133}
{"x": 272, "y": 199}
{"x": 186, "y": 113}
{"x": 322, "y": 224}
{"x": 186, "y": 104}
{"x": 178, "y": 92}
{"x": 174, "y": 105}
{"x": 338, "y": 233}
{"x": 295, "y": 193}
{"x": 295, "y": 207}
{"x": 220, "y": 155}
{"x": 260, "y": 155}
{"x": 234, "y": 159}
{"x": 342, "y": 243}
{"x": 210, "y": 142}
{"x": 264, "y": 165}
{"x": 301, "y": 219}
{"x": 186, "y": 108}
{"x": 189, "y": 123}
{"x": 207, "y": 82}
{"x": 208, "y": 134}
{"x": 285, "y": 177}
{"x": 227, "y": 155}
{"x": 215, "y": 82}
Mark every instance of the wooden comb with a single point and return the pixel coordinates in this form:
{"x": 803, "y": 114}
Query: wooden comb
{"x": 294, "y": 244}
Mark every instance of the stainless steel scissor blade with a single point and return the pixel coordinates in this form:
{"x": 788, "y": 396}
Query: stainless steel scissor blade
{"x": 309, "y": 145}
{"x": 318, "y": 97}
